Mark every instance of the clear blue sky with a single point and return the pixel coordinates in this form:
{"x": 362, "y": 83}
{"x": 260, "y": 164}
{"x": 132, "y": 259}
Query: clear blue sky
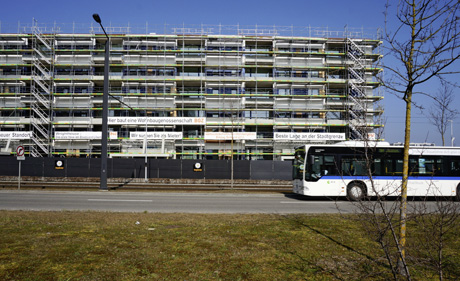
{"x": 333, "y": 14}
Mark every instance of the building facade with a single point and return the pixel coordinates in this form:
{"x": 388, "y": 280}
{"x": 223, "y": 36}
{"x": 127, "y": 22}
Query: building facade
{"x": 189, "y": 93}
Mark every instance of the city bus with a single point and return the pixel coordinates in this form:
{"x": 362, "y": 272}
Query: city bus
{"x": 357, "y": 170}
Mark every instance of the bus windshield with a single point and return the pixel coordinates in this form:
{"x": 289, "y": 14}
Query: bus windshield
{"x": 299, "y": 161}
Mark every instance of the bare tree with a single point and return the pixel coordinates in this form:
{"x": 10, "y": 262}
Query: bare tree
{"x": 441, "y": 112}
{"x": 379, "y": 216}
{"x": 435, "y": 222}
{"x": 425, "y": 45}
{"x": 436, "y": 226}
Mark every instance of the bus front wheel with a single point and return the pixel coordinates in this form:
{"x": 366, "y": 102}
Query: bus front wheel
{"x": 355, "y": 191}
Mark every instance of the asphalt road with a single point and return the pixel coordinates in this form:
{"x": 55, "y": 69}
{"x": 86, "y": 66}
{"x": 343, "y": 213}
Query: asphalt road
{"x": 162, "y": 202}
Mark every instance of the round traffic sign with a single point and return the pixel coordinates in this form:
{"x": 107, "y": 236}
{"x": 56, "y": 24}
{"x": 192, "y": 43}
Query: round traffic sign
{"x": 20, "y": 150}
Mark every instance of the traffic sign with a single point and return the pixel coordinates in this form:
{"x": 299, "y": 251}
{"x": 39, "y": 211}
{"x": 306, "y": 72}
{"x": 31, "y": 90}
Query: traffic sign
{"x": 20, "y": 152}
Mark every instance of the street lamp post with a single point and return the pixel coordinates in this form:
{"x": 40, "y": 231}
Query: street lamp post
{"x": 105, "y": 110}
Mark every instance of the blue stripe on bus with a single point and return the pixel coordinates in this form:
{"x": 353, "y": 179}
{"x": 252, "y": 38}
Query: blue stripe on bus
{"x": 386, "y": 178}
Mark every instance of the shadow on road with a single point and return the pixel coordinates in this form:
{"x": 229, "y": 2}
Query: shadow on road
{"x": 344, "y": 199}
{"x": 312, "y": 198}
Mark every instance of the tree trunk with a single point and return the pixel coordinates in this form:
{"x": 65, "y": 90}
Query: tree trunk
{"x": 402, "y": 266}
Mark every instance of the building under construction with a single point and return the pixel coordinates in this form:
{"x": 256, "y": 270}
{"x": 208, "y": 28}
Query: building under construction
{"x": 198, "y": 92}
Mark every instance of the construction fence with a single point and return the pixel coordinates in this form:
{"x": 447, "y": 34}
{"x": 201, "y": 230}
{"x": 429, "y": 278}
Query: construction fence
{"x": 156, "y": 168}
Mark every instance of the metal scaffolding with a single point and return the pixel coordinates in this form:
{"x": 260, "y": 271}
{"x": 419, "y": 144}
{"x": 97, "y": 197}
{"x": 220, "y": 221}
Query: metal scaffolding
{"x": 181, "y": 91}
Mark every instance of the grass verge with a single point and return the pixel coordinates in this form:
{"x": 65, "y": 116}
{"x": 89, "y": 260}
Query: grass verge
{"x": 144, "y": 246}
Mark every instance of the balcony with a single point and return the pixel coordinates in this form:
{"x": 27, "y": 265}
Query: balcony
{"x": 258, "y": 60}
{"x": 14, "y": 120}
{"x": 70, "y": 120}
{"x": 11, "y": 59}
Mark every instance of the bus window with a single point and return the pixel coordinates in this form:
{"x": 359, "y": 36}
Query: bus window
{"x": 399, "y": 166}
{"x": 433, "y": 166}
{"x": 316, "y": 166}
{"x": 425, "y": 166}
{"x": 393, "y": 167}
{"x": 422, "y": 163}
{"x": 438, "y": 167}
{"x": 377, "y": 168}
{"x": 329, "y": 166}
{"x": 319, "y": 166}
{"x": 455, "y": 167}
{"x": 354, "y": 167}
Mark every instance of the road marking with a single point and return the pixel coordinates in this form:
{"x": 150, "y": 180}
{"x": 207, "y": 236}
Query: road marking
{"x": 118, "y": 200}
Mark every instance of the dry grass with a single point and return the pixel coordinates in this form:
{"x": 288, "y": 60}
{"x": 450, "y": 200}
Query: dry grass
{"x": 133, "y": 246}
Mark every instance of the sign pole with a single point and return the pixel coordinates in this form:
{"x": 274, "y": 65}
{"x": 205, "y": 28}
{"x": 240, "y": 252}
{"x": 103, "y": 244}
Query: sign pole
{"x": 19, "y": 177}
{"x": 20, "y": 157}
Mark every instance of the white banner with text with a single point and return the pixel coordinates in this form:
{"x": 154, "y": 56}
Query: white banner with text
{"x": 156, "y": 135}
{"x": 82, "y": 135}
{"x": 156, "y": 121}
{"x": 309, "y": 136}
{"x": 230, "y": 136}
{"x": 16, "y": 135}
